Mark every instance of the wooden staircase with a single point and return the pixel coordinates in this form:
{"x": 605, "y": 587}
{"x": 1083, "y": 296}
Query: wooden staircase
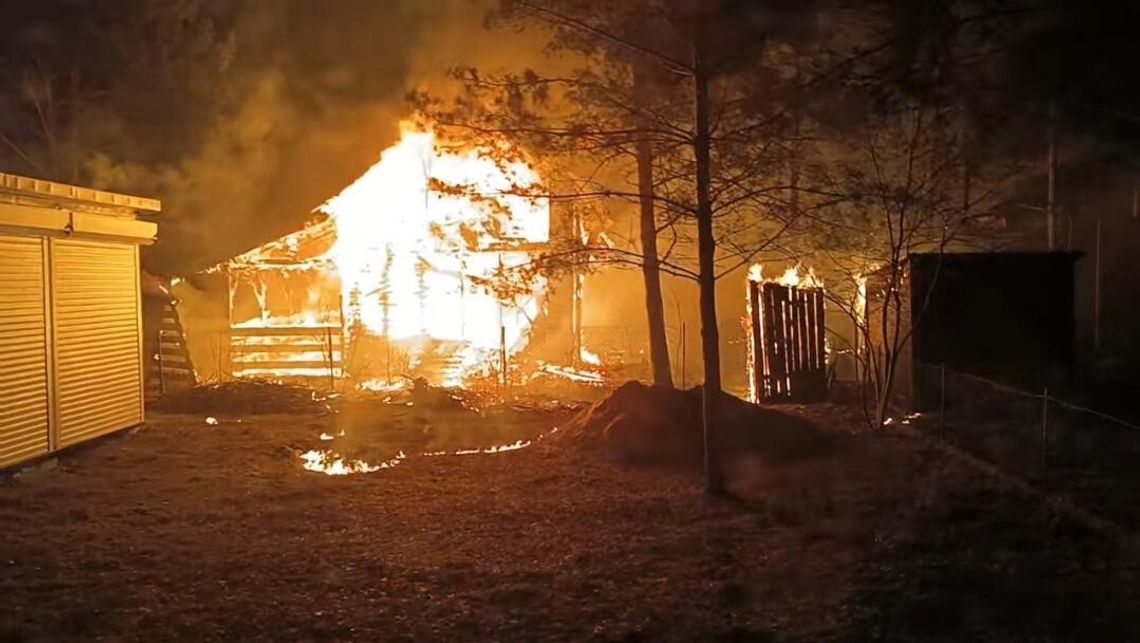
{"x": 168, "y": 360}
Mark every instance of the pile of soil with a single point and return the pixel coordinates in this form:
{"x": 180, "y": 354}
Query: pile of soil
{"x": 241, "y": 397}
{"x": 657, "y": 425}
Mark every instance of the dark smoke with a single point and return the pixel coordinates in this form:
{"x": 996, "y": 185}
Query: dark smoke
{"x": 241, "y": 115}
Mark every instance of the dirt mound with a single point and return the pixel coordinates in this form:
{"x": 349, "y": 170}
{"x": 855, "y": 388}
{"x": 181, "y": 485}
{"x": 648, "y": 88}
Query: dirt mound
{"x": 244, "y": 397}
{"x": 658, "y": 425}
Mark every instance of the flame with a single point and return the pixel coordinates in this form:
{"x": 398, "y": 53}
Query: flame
{"x": 791, "y": 277}
{"x": 753, "y": 321}
{"x": 417, "y": 262}
{"x": 860, "y": 298}
{"x": 428, "y": 249}
{"x": 514, "y": 446}
{"x": 501, "y": 448}
{"x": 332, "y": 464}
{"x": 589, "y": 358}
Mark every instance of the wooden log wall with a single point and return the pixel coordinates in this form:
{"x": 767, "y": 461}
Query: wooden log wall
{"x": 303, "y": 352}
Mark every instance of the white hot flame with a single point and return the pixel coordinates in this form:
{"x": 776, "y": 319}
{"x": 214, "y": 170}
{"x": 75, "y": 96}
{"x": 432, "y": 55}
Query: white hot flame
{"x": 428, "y": 248}
{"x": 589, "y": 358}
{"x": 416, "y": 259}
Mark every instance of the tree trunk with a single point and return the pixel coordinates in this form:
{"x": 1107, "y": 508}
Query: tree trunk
{"x": 650, "y": 270}
{"x": 706, "y": 251}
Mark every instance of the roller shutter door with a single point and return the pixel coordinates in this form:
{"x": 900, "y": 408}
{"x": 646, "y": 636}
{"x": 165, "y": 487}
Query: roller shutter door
{"x": 98, "y": 354}
{"x": 24, "y": 402}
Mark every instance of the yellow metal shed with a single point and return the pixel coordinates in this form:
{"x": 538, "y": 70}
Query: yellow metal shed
{"x": 71, "y": 366}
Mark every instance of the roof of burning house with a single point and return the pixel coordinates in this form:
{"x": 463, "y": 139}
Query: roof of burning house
{"x": 299, "y": 248}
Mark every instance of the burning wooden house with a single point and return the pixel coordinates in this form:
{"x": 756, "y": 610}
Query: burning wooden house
{"x": 421, "y": 267}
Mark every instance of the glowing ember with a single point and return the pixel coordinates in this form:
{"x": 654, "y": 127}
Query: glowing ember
{"x": 332, "y": 464}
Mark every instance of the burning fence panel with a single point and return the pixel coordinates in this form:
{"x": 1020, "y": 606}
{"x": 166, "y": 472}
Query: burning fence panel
{"x": 787, "y": 348}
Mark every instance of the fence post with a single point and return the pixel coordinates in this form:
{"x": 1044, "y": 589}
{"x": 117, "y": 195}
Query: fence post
{"x": 683, "y": 365}
{"x": 503, "y": 354}
{"x": 1044, "y": 433}
{"x": 942, "y": 401}
{"x": 332, "y": 362}
{"x": 161, "y": 376}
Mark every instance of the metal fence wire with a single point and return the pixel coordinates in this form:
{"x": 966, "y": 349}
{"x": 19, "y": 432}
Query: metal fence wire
{"x": 617, "y": 344}
{"x": 1089, "y": 456}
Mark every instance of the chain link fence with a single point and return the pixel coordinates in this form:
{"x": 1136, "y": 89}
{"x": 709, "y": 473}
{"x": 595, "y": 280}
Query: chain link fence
{"x": 1091, "y": 457}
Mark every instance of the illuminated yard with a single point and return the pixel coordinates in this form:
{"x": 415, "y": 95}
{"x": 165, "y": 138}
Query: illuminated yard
{"x": 190, "y": 530}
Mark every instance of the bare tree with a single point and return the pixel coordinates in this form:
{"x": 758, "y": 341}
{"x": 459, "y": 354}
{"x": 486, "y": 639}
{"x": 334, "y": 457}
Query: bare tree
{"x": 912, "y": 184}
{"x": 678, "y": 90}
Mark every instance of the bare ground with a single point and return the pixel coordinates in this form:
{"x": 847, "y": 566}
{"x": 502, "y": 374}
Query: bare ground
{"x": 189, "y": 531}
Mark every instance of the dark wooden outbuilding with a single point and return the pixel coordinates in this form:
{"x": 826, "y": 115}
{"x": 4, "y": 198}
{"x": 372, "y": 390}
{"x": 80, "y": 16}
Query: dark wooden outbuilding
{"x": 1005, "y": 316}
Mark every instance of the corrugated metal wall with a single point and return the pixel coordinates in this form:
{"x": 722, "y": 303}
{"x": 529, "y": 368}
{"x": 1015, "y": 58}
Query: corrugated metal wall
{"x": 97, "y": 331}
{"x": 24, "y": 403}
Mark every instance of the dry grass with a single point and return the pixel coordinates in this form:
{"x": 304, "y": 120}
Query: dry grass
{"x": 194, "y": 532}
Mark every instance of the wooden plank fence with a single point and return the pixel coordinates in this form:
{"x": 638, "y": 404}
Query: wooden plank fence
{"x": 787, "y": 335}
